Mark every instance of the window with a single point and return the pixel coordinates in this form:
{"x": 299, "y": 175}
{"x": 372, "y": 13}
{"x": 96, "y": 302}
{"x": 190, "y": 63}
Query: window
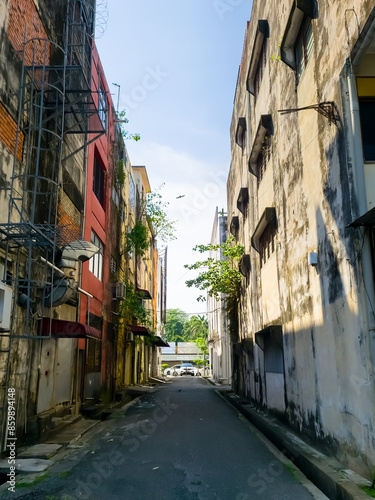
{"x": 298, "y": 40}
{"x": 367, "y": 114}
{"x": 102, "y": 105}
{"x": 260, "y": 68}
{"x": 98, "y": 182}
{"x": 96, "y": 262}
{"x": 241, "y": 134}
{"x": 131, "y": 192}
{"x": 267, "y": 244}
{"x": 264, "y": 157}
{"x": 258, "y": 58}
{"x": 303, "y": 47}
{"x": 113, "y": 265}
{"x": 366, "y": 98}
{"x": 262, "y": 147}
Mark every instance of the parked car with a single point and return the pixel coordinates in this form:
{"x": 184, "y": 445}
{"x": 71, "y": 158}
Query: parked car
{"x": 187, "y": 369}
{"x": 173, "y": 370}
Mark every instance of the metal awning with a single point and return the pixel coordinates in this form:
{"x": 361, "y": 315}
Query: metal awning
{"x": 265, "y": 127}
{"x": 272, "y": 334}
{"x": 145, "y": 293}
{"x": 140, "y": 330}
{"x": 367, "y": 219}
{"x": 159, "y": 342}
{"x": 263, "y": 31}
{"x": 59, "y": 328}
{"x": 242, "y": 199}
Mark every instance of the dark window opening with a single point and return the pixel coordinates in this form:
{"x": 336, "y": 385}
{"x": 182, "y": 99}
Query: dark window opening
{"x": 98, "y": 182}
{"x": 367, "y": 117}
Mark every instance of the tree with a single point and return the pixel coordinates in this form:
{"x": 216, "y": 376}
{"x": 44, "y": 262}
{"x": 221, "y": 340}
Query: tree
{"x": 218, "y": 276}
{"x": 174, "y": 326}
{"x": 157, "y": 213}
{"x": 125, "y": 134}
{"x": 198, "y": 327}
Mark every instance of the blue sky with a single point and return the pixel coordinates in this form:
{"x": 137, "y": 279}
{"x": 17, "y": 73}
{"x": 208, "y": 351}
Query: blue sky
{"x": 177, "y": 63}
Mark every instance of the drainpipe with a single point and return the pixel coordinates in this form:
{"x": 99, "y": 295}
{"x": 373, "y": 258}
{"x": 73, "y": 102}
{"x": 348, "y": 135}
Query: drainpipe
{"x": 355, "y": 153}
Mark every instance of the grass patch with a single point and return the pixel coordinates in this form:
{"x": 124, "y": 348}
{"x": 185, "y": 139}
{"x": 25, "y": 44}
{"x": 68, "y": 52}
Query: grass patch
{"x": 64, "y": 474}
{"x": 291, "y": 469}
{"x": 369, "y": 491}
{"x": 37, "y": 480}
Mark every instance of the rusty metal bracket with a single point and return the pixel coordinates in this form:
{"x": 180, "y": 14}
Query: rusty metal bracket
{"x": 327, "y": 109}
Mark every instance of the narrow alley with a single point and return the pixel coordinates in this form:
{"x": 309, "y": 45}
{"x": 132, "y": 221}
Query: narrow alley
{"x": 181, "y": 441}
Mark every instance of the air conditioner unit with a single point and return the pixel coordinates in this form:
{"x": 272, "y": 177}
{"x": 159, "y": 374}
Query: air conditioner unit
{"x": 5, "y": 306}
{"x": 119, "y": 291}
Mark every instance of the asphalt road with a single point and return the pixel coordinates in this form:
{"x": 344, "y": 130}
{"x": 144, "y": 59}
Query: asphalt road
{"x": 181, "y": 442}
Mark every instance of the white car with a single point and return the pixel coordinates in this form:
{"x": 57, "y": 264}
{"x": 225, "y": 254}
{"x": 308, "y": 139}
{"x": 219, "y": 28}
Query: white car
{"x": 173, "y": 370}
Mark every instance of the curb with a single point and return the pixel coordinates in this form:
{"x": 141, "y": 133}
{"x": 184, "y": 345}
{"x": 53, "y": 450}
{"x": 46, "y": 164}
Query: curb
{"x": 324, "y": 472}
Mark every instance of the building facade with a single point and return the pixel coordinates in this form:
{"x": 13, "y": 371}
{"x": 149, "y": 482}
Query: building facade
{"x": 218, "y": 333}
{"x": 300, "y": 199}
{"x": 68, "y": 198}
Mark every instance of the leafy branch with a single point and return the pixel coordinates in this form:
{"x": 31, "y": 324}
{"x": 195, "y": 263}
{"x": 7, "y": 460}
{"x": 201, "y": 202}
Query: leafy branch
{"x": 218, "y": 276}
{"x": 122, "y": 120}
{"x": 132, "y": 310}
{"x": 155, "y": 210}
{"x": 137, "y": 239}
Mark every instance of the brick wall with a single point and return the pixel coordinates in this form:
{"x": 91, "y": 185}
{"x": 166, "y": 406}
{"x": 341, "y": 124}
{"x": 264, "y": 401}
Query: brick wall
{"x": 70, "y": 217}
{"x": 8, "y": 130}
{"x": 23, "y": 14}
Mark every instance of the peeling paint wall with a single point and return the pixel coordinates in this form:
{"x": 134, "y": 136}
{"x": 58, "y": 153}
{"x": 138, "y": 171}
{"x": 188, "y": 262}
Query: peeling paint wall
{"x": 327, "y": 388}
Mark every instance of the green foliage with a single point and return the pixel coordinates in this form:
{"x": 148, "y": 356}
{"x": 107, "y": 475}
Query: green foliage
{"x": 202, "y": 344}
{"x": 174, "y": 326}
{"x": 179, "y": 328}
{"x": 218, "y": 276}
{"x": 156, "y": 211}
{"x": 131, "y": 310}
{"x": 198, "y": 327}
{"x": 120, "y": 173}
{"x": 122, "y": 120}
{"x": 137, "y": 239}
{"x": 369, "y": 491}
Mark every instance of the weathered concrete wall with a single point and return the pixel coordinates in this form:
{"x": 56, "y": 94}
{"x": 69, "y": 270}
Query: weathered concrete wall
{"x": 323, "y": 310}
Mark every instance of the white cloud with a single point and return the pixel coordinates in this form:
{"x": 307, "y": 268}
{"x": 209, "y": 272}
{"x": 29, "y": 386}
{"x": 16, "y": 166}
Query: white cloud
{"x": 203, "y": 186}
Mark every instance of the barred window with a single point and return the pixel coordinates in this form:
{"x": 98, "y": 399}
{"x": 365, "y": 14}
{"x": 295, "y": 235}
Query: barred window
{"x": 260, "y": 68}
{"x": 304, "y": 46}
{"x": 113, "y": 265}
{"x": 264, "y": 157}
{"x": 267, "y": 243}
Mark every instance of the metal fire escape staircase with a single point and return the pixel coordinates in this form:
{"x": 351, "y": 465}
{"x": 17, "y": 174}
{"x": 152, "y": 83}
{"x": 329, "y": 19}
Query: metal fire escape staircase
{"x": 56, "y": 102}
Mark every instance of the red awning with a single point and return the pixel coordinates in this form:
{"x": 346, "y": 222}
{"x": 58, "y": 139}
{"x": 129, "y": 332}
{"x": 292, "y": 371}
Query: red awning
{"x": 140, "y": 330}
{"x": 60, "y": 328}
